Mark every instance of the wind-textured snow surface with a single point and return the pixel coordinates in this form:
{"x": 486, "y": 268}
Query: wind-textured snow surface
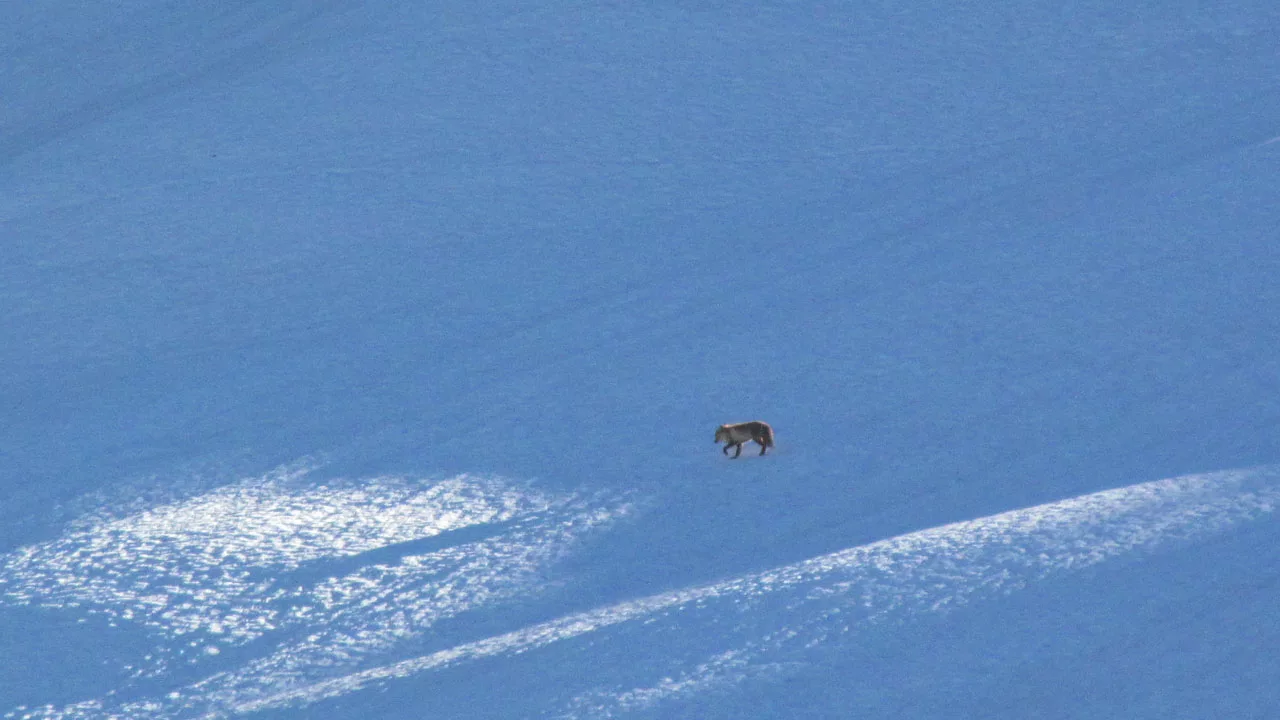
{"x": 363, "y": 360}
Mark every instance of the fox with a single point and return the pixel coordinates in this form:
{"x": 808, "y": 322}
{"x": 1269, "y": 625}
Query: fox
{"x": 735, "y": 434}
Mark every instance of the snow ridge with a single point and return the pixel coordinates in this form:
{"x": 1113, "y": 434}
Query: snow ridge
{"x": 778, "y": 615}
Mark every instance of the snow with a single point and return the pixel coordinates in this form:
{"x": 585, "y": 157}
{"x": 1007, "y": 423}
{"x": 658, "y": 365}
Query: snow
{"x": 363, "y": 360}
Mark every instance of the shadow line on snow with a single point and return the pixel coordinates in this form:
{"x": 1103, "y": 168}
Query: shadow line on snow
{"x": 317, "y": 571}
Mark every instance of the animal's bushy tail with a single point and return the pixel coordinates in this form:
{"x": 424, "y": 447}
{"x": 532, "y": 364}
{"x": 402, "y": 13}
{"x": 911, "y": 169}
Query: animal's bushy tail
{"x": 768, "y": 435}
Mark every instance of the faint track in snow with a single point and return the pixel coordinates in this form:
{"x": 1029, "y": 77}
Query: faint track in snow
{"x": 218, "y": 45}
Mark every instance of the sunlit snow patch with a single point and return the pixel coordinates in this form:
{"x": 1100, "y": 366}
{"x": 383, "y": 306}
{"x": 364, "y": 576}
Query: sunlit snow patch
{"x": 722, "y": 633}
{"x": 320, "y": 574}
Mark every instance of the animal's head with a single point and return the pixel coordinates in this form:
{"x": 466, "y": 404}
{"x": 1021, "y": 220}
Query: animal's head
{"x": 722, "y": 434}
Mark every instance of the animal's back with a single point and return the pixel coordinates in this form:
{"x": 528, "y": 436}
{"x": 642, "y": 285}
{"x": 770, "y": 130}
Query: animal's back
{"x": 743, "y": 431}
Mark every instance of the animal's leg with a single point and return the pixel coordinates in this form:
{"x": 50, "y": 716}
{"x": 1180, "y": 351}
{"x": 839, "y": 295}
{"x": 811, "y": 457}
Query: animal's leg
{"x": 763, "y": 446}
{"x": 726, "y": 448}
{"x": 739, "y": 447}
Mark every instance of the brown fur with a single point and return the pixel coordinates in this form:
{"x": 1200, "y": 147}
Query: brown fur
{"x": 736, "y": 434}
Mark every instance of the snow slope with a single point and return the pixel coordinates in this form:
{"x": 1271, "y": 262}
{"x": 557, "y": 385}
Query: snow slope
{"x": 362, "y": 359}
